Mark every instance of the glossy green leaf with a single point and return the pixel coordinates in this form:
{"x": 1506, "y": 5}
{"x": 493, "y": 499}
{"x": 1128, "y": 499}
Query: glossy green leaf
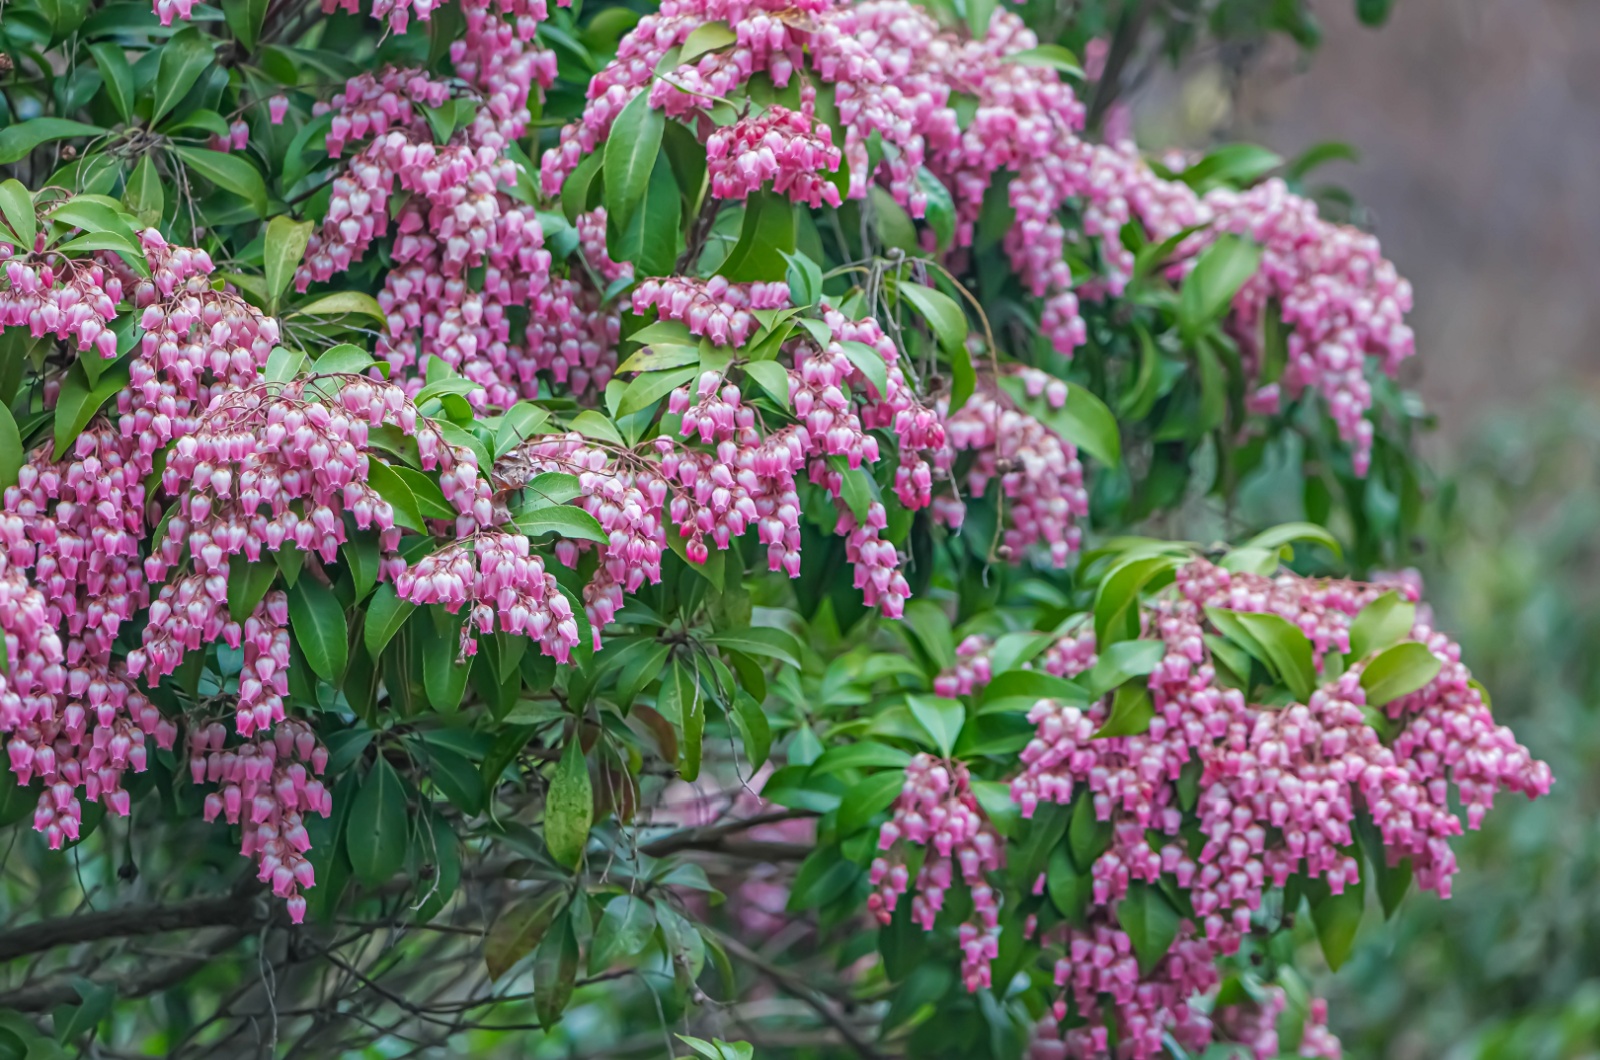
{"x": 651, "y": 387}
{"x": 248, "y": 583}
{"x": 649, "y": 238}
{"x": 183, "y": 59}
{"x": 1151, "y": 924}
{"x": 940, "y": 718}
{"x": 771, "y": 377}
{"x": 704, "y": 38}
{"x": 765, "y": 641}
{"x": 18, "y": 141}
{"x": 631, "y": 150}
{"x": 78, "y": 401}
{"x": 344, "y": 359}
{"x": 1399, "y": 671}
{"x": 16, "y": 206}
{"x": 945, "y": 318}
{"x": 1289, "y": 533}
{"x": 12, "y": 456}
{"x": 1337, "y": 918}
{"x": 868, "y": 798}
{"x": 145, "y": 194}
{"x": 624, "y": 930}
{"x": 562, "y": 519}
{"x": 1386, "y": 621}
{"x": 569, "y": 807}
{"x": 230, "y": 172}
{"x": 1050, "y": 56}
{"x": 1116, "y": 605}
{"x": 1219, "y": 272}
{"x": 1083, "y": 419}
{"x": 681, "y": 704}
{"x": 379, "y": 827}
{"x": 286, "y": 242}
{"x": 766, "y": 236}
{"x": 317, "y": 620}
{"x": 869, "y": 362}
{"x": 116, "y": 75}
{"x": 1132, "y": 711}
{"x": 342, "y": 303}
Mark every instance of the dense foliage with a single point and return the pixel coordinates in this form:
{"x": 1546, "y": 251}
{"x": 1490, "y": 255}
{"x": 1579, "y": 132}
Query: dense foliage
{"x": 630, "y": 519}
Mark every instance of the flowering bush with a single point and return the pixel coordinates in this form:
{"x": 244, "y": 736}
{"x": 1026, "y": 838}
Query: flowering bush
{"x": 534, "y": 461}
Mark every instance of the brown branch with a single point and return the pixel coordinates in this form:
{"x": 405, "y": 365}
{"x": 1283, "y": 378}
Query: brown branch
{"x": 714, "y": 837}
{"x": 797, "y": 986}
{"x": 46, "y": 995}
{"x": 1123, "y": 45}
{"x": 236, "y": 908}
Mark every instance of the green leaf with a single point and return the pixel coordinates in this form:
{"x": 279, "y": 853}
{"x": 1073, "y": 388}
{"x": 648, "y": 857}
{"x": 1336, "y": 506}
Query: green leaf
{"x": 552, "y": 487}
{"x": 1236, "y": 164}
{"x": 248, "y": 583}
{"x": 1337, "y": 917}
{"x": 377, "y": 833}
{"x": 1083, "y": 419}
{"x": 388, "y": 484}
{"x": 804, "y": 277}
{"x": 1219, "y": 272}
{"x": 1069, "y": 889}
{"x": 861, "y": 754}
{"x": 706, "y": 37}
{"x": 1052, "y": 56}
{"x": 18, "y": 141}
{"x": 12, "y": 456}
{"x": 520, "y": 422}
{"x": 183, "y": 59}
{"x": 457, "y": 779}
{"x": 520, "y": 928}
{"x": 78, "y": 401}
{"x": 286, "y": 242}
{"x": 74, "y": 1021}
{"x": 624, "y": 931}
{"x": 283, "y": 365}
{"x": 1132, "y": 711}
{"x": 16, "y": 206}
{"x": 658, "y": 357}
{"x": 144, "y": 193}
{"x": 680, "y": 703}
{"x": 649, "y": 238}
{"x": 754, "y": 729}
{"x": 1087, "y": 836}
{"x": 896, "y": 229}
{"x": 342, "y": 303}
{"x": 575, "y": 191}
{"x": 244, "y": 19}
{"x": 867, "y": 799}
{"x": 1399, "y": 671}
{"x": 116, "y": 75}
{"x": 980, "y": 13}
{"x": 444, "y": 675}
{"x": 569, "y": 807}
{"x": 1280, "y": 644}
{"x": 765, "y": 237}
{"x": 945, "y": 318}
{"x": 651, "y": 387}
{"x": 1116, "y": 605}
{"x": 229, "y": 172}
{"x": 317, "y": 620}
{"x": 631, "y": 150}
{"x": 1019, "y": 690}
{"x": 930, "y": 626}
{"x": 869, "y": 362}
{"x": 1288, "y": 533}
{"x": 771, "y": 377}
{"x": 1151, "y": 924}
{"x": 344, "y": 359}
{"x": 1124, "y": 660}
{"x": 1386, "y": 621}
{"x": 562, "y": 519}
{"x": 764, "y": 641}
{"x": 940, "y": 718}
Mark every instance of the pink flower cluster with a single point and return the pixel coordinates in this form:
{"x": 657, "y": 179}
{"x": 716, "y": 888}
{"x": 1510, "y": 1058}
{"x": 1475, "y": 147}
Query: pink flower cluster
{"x": 494, "y": 574}
{"x": 265, "y": 787}
{"x": 1040, "y": 478}
{"x": 300, "y": 450}
{"x": 937, "y": 809}
{"x": 786, "y": 147}
{"x": 896, "y": 75}
{"x": 1255, "y": 1025}
{"x": 72, "y": 529}
{"x": 715, "y": 308}
{"x": 1278, "y": 788}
